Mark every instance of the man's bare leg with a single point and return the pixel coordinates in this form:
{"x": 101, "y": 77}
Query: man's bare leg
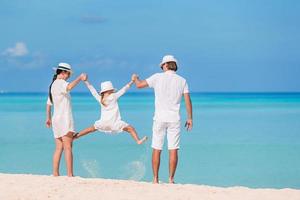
{"x": 173, "y": 159}
{"x": 155, "y": 164}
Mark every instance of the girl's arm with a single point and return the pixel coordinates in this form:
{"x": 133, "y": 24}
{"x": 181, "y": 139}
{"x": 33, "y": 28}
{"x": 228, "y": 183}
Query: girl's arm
{"x": 93, "y": 91}
{"x": 71, "y": 85}
{"x": 124, "y": 89}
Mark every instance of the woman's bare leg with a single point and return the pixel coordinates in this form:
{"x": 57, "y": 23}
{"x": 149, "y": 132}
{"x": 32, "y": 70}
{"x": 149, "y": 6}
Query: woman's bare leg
{"x": 57, "y": 155}
{"x": 84, "y": 132}
{"x": 67, "y": 143}
{"x": 134, "y": 134}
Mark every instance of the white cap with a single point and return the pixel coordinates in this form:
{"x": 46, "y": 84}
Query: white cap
{"x": 168, "y": 58}
{"x": 105, "y": 86}
{"x": 64, "y": 66}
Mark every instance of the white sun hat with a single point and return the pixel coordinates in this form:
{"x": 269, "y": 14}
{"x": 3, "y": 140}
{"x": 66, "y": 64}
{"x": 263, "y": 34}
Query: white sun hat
{"x": 168, "y": 58}
{"x": 64, "y": 66}
{"x": 106, "y": 86}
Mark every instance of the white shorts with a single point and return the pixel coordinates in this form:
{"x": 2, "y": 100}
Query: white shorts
{"x": 160, "y": 129}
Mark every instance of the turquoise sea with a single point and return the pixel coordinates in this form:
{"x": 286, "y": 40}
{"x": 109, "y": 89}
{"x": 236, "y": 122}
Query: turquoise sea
{"x": 238, "y": 139}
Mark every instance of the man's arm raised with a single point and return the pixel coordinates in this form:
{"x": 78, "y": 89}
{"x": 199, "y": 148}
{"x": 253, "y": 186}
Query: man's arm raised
{"x": 139, "y": 83}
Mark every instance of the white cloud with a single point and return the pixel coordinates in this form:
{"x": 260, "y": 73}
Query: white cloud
{"x": 20, "y": 57}
{"x": 32, "y": 61}
{"x": 18, "y": 50}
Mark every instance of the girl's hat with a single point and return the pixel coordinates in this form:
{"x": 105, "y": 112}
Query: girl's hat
{"x": 168, "y": 58}
{"x": 106, "y": 86}
{"x": 64, "y": 66}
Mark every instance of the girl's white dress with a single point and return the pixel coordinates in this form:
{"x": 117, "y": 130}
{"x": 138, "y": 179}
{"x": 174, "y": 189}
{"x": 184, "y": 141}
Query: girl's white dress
{"x": 110, "y": 120}
{"x": 62, "y": 119}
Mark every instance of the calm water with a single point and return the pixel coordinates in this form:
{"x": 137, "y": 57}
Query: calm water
{"x": 250, "y": 140}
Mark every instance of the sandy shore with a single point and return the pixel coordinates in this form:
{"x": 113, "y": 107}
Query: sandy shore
{"x": 30, "y": 187}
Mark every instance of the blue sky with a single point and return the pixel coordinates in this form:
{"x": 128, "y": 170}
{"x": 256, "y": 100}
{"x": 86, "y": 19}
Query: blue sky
{"x": 222, "y": 46}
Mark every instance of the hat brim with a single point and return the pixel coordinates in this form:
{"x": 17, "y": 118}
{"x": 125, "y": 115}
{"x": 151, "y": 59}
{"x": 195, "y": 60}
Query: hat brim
{"x": 56, "y": 68}
{"x": 114, "y": 89}
{"x": 162, "y": 63}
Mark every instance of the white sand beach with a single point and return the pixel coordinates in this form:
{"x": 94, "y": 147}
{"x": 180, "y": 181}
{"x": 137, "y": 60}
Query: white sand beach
{"x": 30, "y": 187}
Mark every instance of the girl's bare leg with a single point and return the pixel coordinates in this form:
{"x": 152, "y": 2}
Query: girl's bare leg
{"x": 84, "y": 132}
{"x": 67, "y": 144}
{"x": 134, "y": 134}
{"x": 57, "y": 155}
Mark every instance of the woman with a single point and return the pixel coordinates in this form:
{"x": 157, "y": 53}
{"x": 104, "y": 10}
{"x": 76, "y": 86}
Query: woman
{"x": 62, "y": 120}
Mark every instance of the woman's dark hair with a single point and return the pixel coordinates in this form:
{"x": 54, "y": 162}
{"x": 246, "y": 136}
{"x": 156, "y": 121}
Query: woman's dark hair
{"x": 58, "y": 71}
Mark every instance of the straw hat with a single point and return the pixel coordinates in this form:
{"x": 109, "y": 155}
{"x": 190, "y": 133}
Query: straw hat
{"x": 106, "y": 86}
{"x": 168, "y": 58}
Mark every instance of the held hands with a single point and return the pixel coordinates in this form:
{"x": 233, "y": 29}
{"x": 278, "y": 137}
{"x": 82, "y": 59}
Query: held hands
{"x": 83, "y": 77}
{"x": 134, "y": 77}
{"x": 189, "y": 124}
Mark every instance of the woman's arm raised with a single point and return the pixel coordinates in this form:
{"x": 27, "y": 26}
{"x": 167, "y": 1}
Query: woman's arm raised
{"x": 71, "y": 85}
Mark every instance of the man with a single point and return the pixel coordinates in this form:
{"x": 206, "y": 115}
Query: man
{"x": 168, "y": 89}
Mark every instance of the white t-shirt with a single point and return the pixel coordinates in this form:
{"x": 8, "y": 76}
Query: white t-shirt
{"x": 168, "y": 89}
{"x": 62, "y": 120}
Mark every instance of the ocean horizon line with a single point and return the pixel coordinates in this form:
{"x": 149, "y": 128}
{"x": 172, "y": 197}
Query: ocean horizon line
{"x": 150, "y": 92}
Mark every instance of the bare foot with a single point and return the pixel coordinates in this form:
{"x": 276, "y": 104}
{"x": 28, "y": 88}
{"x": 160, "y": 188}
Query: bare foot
{"x": 141, "y": 141}
{"x": 55, "y": 174}
{"x": 171, "y": 181}
{"x": 155, "y": 181}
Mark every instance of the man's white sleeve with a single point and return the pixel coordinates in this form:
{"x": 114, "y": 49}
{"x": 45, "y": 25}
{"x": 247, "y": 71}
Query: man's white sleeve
{"x": 186, "y": 88}
{"x": 151, "y": 80}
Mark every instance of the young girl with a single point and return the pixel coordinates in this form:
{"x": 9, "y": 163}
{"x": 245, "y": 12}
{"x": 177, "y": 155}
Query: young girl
{"x": 110, "y": 121}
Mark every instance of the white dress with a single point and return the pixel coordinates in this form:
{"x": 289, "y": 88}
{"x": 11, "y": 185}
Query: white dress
{"x": 62, "y": 119}
{"x": 110, "y": 120}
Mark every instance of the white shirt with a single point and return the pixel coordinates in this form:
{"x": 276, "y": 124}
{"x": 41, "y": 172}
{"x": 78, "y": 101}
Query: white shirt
{"x": 110, "y": 113}
{"x": 168, "y": 89}
{"x": 62, "y": 120}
